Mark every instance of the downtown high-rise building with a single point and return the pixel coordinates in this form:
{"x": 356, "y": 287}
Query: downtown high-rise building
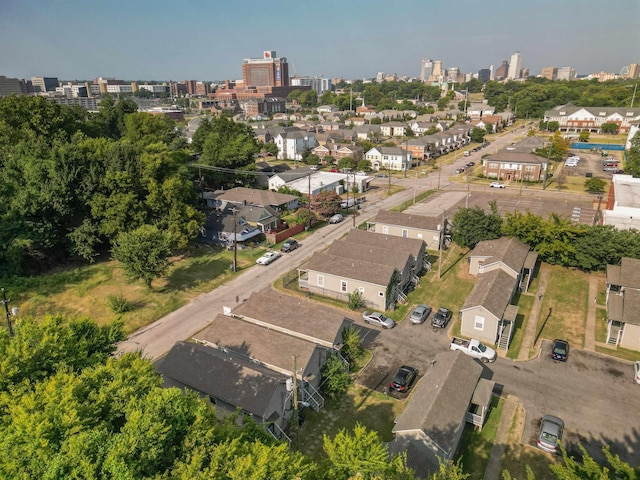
{"x": 268, "y": 71}
{"x": 550, "y": 73}
{"x": 437, "y": 74}
{"x": 484, "y": 75}
{"x": 514, "y": 66}
{"x": 502, "y": 71}
{"x": 566, "y": 73}
{"x": 426, "y": 70}
{"x": 634, "y": 71}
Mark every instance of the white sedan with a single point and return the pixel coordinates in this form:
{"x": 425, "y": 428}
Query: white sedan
{"x": 268, "y": 257}
{"x": 496, "y": 185}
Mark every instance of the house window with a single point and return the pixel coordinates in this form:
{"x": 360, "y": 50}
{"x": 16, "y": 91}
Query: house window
{"x": 530, "y": 168}
{"x": 479, "y": 323}
{"x": 343, "y": 286}
{"x": 405, "y": 232}
{"x": 385, "y": 229}
{"x": 321, "y": 280}
{"x": 493, "y": 165}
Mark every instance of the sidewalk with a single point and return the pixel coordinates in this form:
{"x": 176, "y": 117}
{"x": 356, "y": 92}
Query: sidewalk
{"x": 493, "y": 470}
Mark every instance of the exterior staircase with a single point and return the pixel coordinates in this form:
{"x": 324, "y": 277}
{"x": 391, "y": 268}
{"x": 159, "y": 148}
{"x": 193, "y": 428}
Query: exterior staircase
{"x": 505, "y": 335}
{"x": 614, "y": 334}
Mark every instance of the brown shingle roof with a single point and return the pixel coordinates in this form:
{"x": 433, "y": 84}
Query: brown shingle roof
{"x": 441, "y": 398}
{"x": 492, "y": 291}
{"x": 412, "y": 245}
{"x": 302, "y": 316}
{"x": 407, "y": 220}
{"x": 373, "y": 273}
{"x": 508, "y": 250}
{"x": 630, "y": 272}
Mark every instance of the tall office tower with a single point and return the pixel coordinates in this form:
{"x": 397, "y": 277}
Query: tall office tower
{"x": 514, "y": 66}
{"x": 502, "y": 70}
{"x": 268, "y": 71}
{"x": 380, "y": 77}
{"x": 426, "y": 70}
{"x": 550, "y": 73}
{"x": 10, "y": 86}
{"x": 491, "y": 72}
{"x": 524, "y": 73}
{"x": 634, "y": 70}
{"x": 566, "y": 73}
{"x": 452, "y": 74}
{"x": 44, "y": 84}
{"x": 437, "y": 74}
{"x": 484, "y": 75}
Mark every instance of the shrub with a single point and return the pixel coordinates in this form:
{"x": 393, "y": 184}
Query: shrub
{"x": 119, "y": 303}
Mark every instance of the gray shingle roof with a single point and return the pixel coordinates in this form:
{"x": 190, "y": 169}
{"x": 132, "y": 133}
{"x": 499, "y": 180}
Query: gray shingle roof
{"x": 407, "y": 220}
{"x": 367, "y": 253}
{"x": 515, "y": 157}
{"x": 256, "y": 197}
{"x": 508, "y": 250}
{"x": 492, "y": 291}
{"x": 222, "y": 375}
{"x": 441, "y": 399}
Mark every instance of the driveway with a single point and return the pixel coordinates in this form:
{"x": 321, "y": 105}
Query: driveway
{"x": 594, "y": 394}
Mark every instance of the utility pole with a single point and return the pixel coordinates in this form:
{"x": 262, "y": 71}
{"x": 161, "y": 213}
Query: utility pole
{"x": 5, "y": 302}
{"x": 296, "y": 419}
{"x": 309, "y": 186}
{"x": 634, "y": 95}
{"x": 546, "y": 167}
{"x": 235, "y": 238}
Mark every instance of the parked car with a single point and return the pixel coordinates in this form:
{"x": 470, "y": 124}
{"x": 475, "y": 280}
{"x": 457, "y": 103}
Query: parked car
{"x": 460, "y": 170}
{"x": 378, "y": 319}
{"x": 361, "y": 173}
{"x": 314, "y": 167}
{"x": 382, "y": 175}
{"x": 337, "y": 218}
{"x": 636, "y": 372}
{"x": 474, "y": 348}
{"x": 441, "y": 318}
{"x": 420, "y": 314}
{"x": 290, "y": 245}
{"x": 334, "y": 170}
{"x": 268, "y": 257}
{"x": 560, "y": 350}
{"x": 404, "y": 378}
{"x": 466, "y": 153}
{"x": 550, "y": 433}
{"x": 471, "y": 164}
{"x": 496, "y": 185}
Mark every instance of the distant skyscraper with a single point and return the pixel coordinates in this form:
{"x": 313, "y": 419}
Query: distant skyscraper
{"x": 502, "y": 71}
{"x": 44, "y": 84}
{"x": 426, "y": 70}
{"x": 484, "y": 75}
{"x": 514, "y": 66}
{"x": 566, "y": 73}
{"x": 524, "y": 73}
{"x": 380, "y": 77}
{"x": 268, "y": 71}
{"x": 318, "y": 84}
{"x": 437, "y": 75}
{"x": 634, "y": 70}
{"x": 550, "y": 73}
{"x": 491, "y": 74}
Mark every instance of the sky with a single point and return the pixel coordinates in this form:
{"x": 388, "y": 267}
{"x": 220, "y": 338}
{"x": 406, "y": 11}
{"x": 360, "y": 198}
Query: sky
{"x": 353, "y": 39}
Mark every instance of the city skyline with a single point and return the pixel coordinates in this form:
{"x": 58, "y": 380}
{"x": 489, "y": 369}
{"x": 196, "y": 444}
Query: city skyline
{"x": 147, "y": 40}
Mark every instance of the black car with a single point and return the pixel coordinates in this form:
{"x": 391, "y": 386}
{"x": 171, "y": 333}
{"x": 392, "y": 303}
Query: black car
{"x": 403, "y": 380}
{"x": 560, "y": 350}
{"x": 441, "y": 318}
{"x": 471, "y": 164}
{"x": 290, "y": 245}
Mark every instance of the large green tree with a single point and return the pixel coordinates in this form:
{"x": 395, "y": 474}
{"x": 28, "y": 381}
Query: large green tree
{"x": 144, "y": 253}
{"x": 473, "y": 225}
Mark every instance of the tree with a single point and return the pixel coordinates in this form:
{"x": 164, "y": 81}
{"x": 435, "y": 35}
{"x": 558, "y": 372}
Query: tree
{"x": 144, "y": 253}
{"x": 326, "y": 203}
{"x": 595, "y": 185}
{"x": 346, "y": 162}
{"x": 610, "y": 127}
{"x": 335, "y": 377}
{"x": 312, "y": 159}
{"x": 364, "y": 165}
{"x": 362, "y": 454}
{"x": 477, "y": 134}
{"x": 309, "y": 98}
{"x": 584, "y": 136}
{"x": 271, "y": 148}
{"x": 570, "y": 469}
{"x": 473, "y": 225}
{"x": 351, "y": 344}
{"x": 355, "y": 300}
{"x": 305, "y": 216}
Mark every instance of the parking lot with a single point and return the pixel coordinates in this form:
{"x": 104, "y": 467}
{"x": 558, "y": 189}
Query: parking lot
{"x": 590, "y": 163}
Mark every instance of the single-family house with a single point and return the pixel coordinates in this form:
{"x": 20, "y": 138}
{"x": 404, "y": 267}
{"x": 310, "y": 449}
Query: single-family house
{"x": 420, "y": 127}
{"x": 515, "y": 166}
{"x": 623, "y": 304}
{"x": 291, "y": 145}
{"x": 231, "y": 381}
{"x": 450, "y": 394}
{"x": 367, "y": 132}
{"x": 327, "y": 109}
{"x": 430, "y": 229}
{"x": 476, "y": 111}
{"x": 391, "y": 158}
{"x": 251, "y": 196}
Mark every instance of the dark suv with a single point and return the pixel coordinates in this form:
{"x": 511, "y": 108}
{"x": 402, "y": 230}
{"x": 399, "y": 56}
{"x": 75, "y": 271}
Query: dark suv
{"x": 441, "y": 318}
{"x": 290, "y": 245}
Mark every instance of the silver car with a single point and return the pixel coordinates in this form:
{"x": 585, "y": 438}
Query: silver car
{"x": 550, "y": 433}
{"x": 420, "y": 314}
{"x": 378, "y": 319}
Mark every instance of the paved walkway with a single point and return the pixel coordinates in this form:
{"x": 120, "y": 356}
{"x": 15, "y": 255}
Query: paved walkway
{"x": 493, "y": 470}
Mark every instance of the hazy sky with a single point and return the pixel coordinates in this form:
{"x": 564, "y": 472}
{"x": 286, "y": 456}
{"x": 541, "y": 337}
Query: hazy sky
{"x": 207, "y": 40}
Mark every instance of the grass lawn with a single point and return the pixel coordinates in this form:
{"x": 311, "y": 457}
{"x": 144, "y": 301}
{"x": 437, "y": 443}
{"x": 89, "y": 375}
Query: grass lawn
{"x": 477, "y": 444}
{"x": 564, "y": 305}
{"x": 374, "y": 410}
{"x": 524, "y": 302}
{"x": 601, "y": 324}
{"x": 84, "y": 291}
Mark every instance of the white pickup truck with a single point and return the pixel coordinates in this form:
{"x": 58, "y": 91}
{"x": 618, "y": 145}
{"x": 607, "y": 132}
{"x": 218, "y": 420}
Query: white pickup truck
{"x": 474, "y": 348}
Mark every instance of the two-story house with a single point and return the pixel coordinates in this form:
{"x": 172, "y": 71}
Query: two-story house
{"x": 291, "y": 145}
{"x": 623, "y": 304}
{"x": 515, "y": 166}
{"x": 391, "y": 158}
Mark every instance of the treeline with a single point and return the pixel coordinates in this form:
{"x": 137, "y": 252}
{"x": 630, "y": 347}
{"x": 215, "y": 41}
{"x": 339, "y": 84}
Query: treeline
{"x": 71, "y": 181}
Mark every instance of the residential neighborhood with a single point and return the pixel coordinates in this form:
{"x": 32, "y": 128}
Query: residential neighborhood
{"x": 339, "y": 259}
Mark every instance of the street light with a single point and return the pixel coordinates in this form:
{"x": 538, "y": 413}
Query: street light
{"x": 14, "y": 311}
